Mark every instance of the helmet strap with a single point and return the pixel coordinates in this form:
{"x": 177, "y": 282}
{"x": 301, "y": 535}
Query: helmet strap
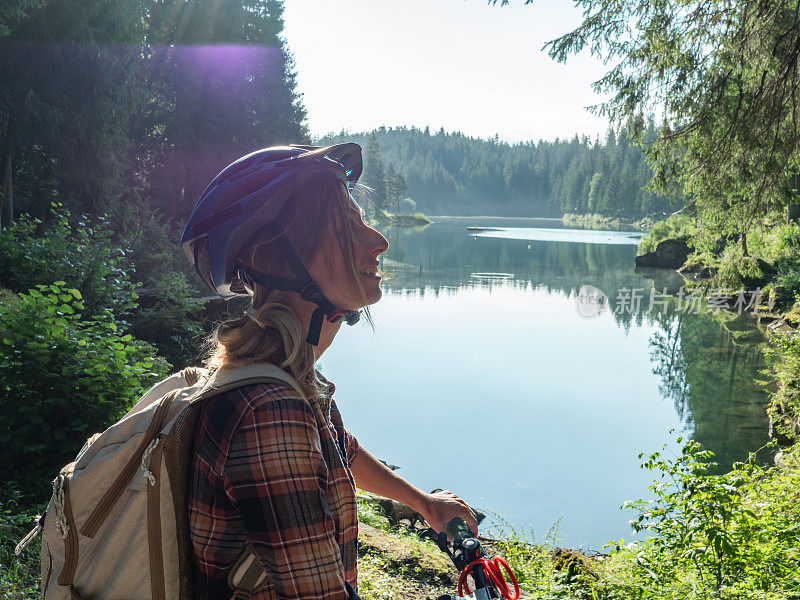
{"x": 308, "y": 290}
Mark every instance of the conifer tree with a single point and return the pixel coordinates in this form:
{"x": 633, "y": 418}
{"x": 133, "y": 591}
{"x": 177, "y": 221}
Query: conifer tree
{"x": 374, "y": 176}
{"x": 726, "y": 78}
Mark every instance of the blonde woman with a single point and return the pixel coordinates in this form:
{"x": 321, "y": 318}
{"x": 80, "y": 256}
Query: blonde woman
{"x": 272, "y": 473}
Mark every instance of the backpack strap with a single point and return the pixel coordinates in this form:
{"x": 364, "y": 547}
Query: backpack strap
{"x": 228, "y": 378}
{"x": 177, "y": 455}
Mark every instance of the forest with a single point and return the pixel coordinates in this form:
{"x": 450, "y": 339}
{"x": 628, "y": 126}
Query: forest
{"x": 115, "y": 115}
{"x": 454, "y": 174}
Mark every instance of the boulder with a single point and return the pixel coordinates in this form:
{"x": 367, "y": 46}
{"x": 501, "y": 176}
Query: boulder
{"x": 669, "y": 254}
{"x": 697, "y": 271}
{"x": 397, "y": 511}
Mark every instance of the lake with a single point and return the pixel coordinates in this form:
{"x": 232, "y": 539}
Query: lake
{"x": 489, "y": 374}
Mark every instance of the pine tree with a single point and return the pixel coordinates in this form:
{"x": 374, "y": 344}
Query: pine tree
{"x": 226, "y": 66}
{"x": 66, "y": 102}
{"x": 396, "y": 187}
{"x": 374, "y": 176}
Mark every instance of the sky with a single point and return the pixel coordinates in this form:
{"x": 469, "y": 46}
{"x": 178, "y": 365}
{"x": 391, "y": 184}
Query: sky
{"x": 457, "y": 64}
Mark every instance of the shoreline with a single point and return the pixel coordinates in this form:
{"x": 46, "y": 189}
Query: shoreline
{"x": 493, "y": 217}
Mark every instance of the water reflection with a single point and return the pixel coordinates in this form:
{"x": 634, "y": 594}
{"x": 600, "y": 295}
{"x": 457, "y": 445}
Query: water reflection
{"x": 480, "y": 345}
{"x": 707, "y": 375}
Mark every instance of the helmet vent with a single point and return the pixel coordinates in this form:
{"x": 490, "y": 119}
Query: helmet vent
{"x": 246, "y": 187}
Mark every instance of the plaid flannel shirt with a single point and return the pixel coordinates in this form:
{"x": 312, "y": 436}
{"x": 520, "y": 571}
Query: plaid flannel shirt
{"x": 266, "y": 471}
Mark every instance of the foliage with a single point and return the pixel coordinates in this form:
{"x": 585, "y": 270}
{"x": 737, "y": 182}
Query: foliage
{"x": 784, "y": 252}
{"x": 168, "y": 320}
{"x": 168, "y": 304}
{"x": 82, "y": 255}
{"x": 723, "y": 76}
{"x": 783, "y": 367}
{"x": 176, "y": 90}
{"x": 701, "y": 523}
{"x": 731, "y": 535}
{"x": 19, "y": 575}
{"x": 677, "y": 225}
{"x": 383, "y": 218}
{"x": 65, "y": 376}
{"x": 13, "y": 11}
{"x": 68, "y": 75}
{"x": 374, "y": 175}
{"x": 102, "y": 272}
{"x": 407, "y": 206}
{"x": 453, "y": 174}
{"x": 531, "y": 563}
{"x": 371, "y": 514}
{"x": 150, "y": 239}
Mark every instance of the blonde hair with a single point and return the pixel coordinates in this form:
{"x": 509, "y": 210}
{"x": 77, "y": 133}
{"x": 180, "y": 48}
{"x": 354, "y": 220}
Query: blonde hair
{"x": 316, "y": 217}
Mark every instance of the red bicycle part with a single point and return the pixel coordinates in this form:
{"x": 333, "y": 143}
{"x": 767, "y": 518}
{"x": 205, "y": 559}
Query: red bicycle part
{"x": 492, "y": 569}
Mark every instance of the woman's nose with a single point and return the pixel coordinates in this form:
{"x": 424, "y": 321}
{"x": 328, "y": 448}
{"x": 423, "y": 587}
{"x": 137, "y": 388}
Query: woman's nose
{"x": 379, "y": 243}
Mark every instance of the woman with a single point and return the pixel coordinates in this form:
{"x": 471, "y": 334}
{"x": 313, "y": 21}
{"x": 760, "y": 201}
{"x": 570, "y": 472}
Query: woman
{"x": 273, "y": 474}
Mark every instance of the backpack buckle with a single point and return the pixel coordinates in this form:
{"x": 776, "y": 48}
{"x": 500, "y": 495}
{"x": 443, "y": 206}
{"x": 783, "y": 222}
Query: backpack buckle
{"x": 241, "y": 595}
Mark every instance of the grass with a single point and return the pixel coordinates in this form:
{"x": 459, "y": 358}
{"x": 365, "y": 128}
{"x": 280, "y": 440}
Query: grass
{"x": 413, "y": 220}
{"x": 598, "y": 221}
{"x": 19, "y": 575}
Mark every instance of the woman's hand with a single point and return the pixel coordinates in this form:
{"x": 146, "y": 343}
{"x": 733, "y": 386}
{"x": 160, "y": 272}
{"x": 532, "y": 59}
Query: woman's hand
{"x": 442, "y": 505}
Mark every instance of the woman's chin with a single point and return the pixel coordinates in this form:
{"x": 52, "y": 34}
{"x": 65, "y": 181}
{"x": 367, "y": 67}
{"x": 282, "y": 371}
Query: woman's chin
{"x": 374, "y": 294}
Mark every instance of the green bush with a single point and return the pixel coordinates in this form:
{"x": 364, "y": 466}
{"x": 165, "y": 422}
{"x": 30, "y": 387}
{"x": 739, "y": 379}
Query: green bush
{"x": 168, "y": 319}
{"x": 91, "y": 259}
{"x": 724, "y": 536}
{"x": 83, "y": 256}
{"x": 19, "y": 575}
{"x": 786, "y": 252}
{"x": 168, "y": 305}
{"x": 782, "y": 356}
{"x": 64, "y": 376}
{"x": 676, "y": 225}
{"x": 701, "y": 523}
{"x": 152, "y": 240}
{"x": 407, "y": 206}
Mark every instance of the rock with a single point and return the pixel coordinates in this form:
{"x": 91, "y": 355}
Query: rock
{"x": 434, "y": 565}
{"x": 777, "y": 434}
{"x": 780, "y": 325}
{"x": 397, "y": 511}
{"x": 669, "y": 254}
{"x": 697, "y": 271}
{"x": 573, "y": 566}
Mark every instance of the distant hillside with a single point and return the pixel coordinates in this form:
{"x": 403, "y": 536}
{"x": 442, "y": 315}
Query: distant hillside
{"x": 452, "y": 174}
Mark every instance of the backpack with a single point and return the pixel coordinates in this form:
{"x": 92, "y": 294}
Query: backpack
{"x": 117, "y": 525}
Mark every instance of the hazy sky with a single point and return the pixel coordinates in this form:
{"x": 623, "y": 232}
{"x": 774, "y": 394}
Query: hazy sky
{"x": 457, "y": 64}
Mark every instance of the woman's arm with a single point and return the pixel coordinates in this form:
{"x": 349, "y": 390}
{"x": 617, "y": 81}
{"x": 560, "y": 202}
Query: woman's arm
{"x": 437, "y": 509}
{"x": 273, "y": 474}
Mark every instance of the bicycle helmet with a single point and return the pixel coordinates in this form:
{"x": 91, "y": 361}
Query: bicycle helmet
{"x": 248, "y": 195}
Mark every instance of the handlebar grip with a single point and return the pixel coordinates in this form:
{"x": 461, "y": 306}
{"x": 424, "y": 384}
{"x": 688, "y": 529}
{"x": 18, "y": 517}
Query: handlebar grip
{"x": 457, "y": 526}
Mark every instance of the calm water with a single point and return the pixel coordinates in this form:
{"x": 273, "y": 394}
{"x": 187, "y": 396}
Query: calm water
{"x": 482, "y": 376}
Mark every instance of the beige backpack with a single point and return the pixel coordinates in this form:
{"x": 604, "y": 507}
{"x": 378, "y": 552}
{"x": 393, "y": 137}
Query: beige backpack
{"x": 117, "y": 526}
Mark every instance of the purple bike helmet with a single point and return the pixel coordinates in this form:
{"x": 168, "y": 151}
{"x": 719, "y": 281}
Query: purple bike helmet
{"x": 247, "y": 196}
